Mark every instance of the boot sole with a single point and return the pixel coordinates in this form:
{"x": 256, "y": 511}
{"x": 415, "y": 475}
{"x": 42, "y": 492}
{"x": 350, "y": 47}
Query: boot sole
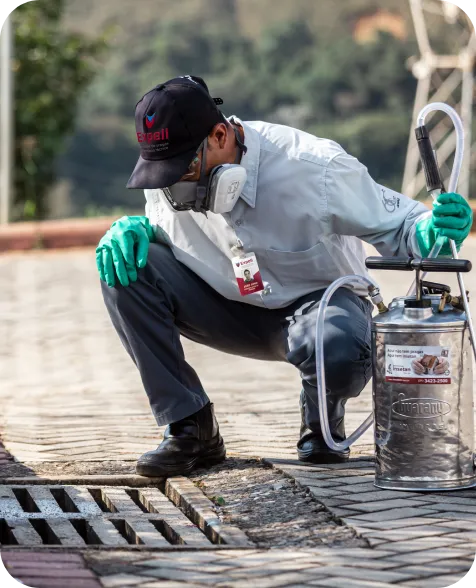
{"x": 213, "y": 457}
{"x": 323, "y": 457}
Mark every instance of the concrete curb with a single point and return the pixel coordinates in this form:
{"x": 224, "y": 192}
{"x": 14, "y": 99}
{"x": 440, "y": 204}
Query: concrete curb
{"x": 198, "y": 508}
{"x": 63, "y": 234}
{"x": 58, "y": 234}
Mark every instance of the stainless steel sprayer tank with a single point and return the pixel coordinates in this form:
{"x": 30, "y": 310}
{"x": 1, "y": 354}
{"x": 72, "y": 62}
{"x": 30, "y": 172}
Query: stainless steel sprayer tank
{"x": 422, "y": 364}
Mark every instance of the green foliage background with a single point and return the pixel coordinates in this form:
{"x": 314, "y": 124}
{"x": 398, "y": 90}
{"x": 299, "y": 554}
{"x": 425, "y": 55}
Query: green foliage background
{"x": 293, "y": 63}
{"x": 51, "y": 68}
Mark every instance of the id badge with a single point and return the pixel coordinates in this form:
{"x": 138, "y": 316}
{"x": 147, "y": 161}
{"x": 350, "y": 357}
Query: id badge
{"x": 247, "y": 274}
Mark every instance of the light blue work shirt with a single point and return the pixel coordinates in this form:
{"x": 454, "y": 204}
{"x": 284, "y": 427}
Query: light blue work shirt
{"x": 305, "y": 209}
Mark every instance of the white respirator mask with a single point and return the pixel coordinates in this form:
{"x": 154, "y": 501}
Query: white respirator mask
{"x": 217, "y": 193}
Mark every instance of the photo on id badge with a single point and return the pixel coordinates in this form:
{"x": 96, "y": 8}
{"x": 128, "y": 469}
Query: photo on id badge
{"x": 247, "y": 274}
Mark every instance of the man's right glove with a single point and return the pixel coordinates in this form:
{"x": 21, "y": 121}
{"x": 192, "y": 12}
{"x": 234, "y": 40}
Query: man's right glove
{"x": 124, "y": 248}
{"x": 452, "y": 217}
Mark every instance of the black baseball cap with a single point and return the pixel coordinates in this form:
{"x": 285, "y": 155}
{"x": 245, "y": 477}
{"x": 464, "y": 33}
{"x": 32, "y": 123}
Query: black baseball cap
{"x": 172, "y": 120}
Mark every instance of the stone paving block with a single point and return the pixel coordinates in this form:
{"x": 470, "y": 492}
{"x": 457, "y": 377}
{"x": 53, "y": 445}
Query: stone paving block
{"x": 59, "y": 582}
{"x": 335, "y": 502}
{"x": 179, "y": 557}
{"x": 34, "y": 566}
{"x": 438, "y": 568}
{"x": 442, "y": 499}
{"x": 340, "y": 555}
{"x": 212, "y": 567}
{"x": 349, "y": 489}
{"x": 457, "y": 525}
{"x": 371, "y": 564}
{"x": 377, "y": 494}
{"x": 199, "y": 576}
{"x": 435, "y": 582}
{"x": 369, "y": 559}
{"x": 368, "y": 470}
{"x": 121, "y": 580}
{"x": 462, "y": 508}
{"x": 48, "y": 573}
{"x": 421, "y": 543}
{"x": 257, "y": 573}
{"x": 313, "y": 479}
{"x": 45, "y": 557}
{"x": 171, "y": 584}
{"x": 453, "y": 564}
{"x": 49, "y": 570}
{"x": 351, "y": 465}
{"x": 394, "y": 514}
{"x": 345, "y": 572}
{"x": 375, "y": 506}
{"x": 456, "y": 515}
{"x": 469, "y": 536}
{"x": 272, "y": 581}
{"x": 459, "y": 493}
{"x": 344, "y": 512}
{"x": 293, "y": 465}
{"x": 354, "y": 480}
{"x": 413, "y": 557}
{"x": 376, "y": 541}
{"x": 391, "y": 524}
{"x": 337, "y": 582}
{"x": 407, "y": 533}
{"x": 264, "y": 558}
{"x": 322, "y": 492}
{"x": 327, "y": 483}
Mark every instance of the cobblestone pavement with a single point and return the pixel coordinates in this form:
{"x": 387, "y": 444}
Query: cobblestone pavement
{"x": 72, "y": 404}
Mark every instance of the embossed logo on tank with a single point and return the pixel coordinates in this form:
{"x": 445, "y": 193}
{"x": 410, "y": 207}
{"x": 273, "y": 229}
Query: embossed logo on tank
{"x": 420, "y": 408}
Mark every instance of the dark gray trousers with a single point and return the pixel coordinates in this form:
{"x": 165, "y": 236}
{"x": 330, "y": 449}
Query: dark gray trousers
{"x": 169, "y": 300}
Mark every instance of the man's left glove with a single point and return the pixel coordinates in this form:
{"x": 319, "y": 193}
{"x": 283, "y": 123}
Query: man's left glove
{"x": 452, "y": 218}
{"x": 123, "y": 249}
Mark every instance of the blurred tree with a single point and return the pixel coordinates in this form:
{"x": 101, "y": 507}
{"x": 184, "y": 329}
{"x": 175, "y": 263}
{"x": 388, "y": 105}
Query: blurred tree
{"x": 358, "y": 95}
{"x": 51, "y": 67}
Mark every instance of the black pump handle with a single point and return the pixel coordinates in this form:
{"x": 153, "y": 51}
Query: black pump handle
{"x": 428, "y": 160}
{"x": 408, "y": 264}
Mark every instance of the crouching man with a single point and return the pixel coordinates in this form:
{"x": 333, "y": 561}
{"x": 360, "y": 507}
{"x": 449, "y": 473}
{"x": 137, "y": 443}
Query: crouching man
{"x": 246, "y": 225}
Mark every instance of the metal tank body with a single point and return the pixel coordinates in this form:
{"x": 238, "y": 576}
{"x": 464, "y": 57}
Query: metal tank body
{"x": 424, "y": 429}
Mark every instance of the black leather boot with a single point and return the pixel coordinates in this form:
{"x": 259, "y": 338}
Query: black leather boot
{"x": 311, "y": 446}
{"x": 194, "y": 441}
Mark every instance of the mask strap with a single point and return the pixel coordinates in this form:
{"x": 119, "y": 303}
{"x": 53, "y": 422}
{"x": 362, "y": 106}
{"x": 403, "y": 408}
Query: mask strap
{"x": 241, "y": 146}
{"x": 202, "y": 181}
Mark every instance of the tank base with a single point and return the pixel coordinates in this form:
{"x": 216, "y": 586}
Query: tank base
{"x": 425, "y": 485}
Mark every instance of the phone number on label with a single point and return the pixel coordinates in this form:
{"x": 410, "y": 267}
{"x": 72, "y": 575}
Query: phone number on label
{"x": 434, "y": 380}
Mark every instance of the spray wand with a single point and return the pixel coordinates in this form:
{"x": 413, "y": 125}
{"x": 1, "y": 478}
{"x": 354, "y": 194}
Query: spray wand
{"x": 435, "y": 187}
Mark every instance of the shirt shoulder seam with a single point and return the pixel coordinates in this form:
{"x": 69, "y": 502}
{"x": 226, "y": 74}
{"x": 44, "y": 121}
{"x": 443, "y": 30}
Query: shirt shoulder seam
{"x": 326, "y": 199}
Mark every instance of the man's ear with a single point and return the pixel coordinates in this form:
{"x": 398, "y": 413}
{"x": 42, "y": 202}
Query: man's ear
{"x": 218, "y": 135}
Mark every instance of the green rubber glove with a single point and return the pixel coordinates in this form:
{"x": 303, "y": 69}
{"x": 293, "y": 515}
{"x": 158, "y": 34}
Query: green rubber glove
{"x": 124, "y": 248}
{"x": 452, "y": 218}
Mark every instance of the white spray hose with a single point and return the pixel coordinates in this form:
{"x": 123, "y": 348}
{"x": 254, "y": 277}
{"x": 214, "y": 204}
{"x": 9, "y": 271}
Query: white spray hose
{"x": 320, "y": 372}
{"x": 457, "y": 165}
{"x": 452, "y": 187}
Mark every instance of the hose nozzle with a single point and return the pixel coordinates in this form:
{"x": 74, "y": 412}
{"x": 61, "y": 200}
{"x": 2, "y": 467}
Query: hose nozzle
{"x": 377, "y": 299}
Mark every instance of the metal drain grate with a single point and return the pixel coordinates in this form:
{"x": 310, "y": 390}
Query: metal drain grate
{"x": 75, "y": 516}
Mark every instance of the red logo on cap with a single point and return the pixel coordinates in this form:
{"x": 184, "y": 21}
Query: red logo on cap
{"x": 149, "y": 120}
{"x": 160, "y": 135}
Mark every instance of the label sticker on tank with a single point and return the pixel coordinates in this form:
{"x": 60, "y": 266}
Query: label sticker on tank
{"x": 412, "y": 364}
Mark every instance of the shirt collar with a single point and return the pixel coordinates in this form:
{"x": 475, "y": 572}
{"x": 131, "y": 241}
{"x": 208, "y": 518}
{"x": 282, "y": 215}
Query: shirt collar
{"x": 250, "y": 161}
